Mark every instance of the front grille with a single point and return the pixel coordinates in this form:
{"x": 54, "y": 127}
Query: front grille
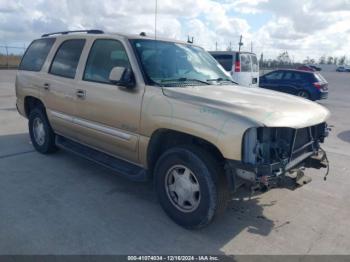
{"x": 305, "y": 140}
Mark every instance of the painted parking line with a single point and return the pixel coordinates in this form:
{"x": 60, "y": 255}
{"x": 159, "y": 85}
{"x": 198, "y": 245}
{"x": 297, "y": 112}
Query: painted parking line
{"x": 16, "y": 154}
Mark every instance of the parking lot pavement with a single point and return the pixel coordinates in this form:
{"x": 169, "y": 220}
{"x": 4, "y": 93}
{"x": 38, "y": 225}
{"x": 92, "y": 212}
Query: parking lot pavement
{"x": 63, "y": 204}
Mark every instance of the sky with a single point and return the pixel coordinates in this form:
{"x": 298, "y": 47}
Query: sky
{"x": 304, "y": 28}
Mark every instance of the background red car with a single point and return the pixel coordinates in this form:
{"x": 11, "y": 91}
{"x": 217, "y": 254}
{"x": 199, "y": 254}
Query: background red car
{"x": 306, "y": 68}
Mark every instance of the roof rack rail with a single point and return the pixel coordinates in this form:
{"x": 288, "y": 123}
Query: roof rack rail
{"x": 92, "y": 31}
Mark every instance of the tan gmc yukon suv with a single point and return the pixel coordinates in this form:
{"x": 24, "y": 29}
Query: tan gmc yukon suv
{"x": 167, "y": 111}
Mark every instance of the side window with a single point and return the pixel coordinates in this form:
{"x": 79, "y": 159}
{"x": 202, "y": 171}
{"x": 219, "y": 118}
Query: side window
{"x": 297, "y": 76}
{"x": 307, "y": 77}
{"x": 67, "y": 58}
{"x": 319, "y": 77}
{"x": 274, "y": 75}
{"x": 255, "y": 64}
{"x": 36, "y": 54}
{"x": 245, "y": 63}
{"x": 104, "y": 55}
{"x": 226, "y": 61}
{"x": 292, "y": 76}
{"x": 288, "y": 76}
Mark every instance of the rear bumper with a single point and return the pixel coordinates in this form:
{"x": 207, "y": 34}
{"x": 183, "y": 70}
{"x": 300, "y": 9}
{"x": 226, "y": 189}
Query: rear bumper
{"x": 324, "y": 95}
{"x": 320, "y": 95}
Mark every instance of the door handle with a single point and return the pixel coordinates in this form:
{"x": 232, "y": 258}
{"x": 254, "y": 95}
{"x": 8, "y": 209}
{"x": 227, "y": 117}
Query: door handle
{"x": 80, "y": 93}
{"x": 46, "y": 86}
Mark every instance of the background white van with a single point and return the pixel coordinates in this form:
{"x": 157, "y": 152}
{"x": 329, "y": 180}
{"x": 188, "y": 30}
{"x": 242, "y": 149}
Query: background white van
{"x": 243, "y": 66}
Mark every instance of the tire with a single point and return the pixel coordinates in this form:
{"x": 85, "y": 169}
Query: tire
{"x": 303, "y": 94}
{"x": 206, "y": 176}
{"x": 40, "y": 131}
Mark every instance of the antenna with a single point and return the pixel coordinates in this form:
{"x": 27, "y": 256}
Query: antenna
{"x": 240, "y": 44}
{"x": 190, "y": 41}
{"x": 155, "y": 19}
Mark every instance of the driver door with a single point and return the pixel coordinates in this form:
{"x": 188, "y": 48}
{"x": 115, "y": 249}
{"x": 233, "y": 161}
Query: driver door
{"x": 108, "y": 115}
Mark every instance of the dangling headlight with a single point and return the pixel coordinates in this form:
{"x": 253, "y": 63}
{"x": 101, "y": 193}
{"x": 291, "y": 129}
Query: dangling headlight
{"x": 250, "y": 141}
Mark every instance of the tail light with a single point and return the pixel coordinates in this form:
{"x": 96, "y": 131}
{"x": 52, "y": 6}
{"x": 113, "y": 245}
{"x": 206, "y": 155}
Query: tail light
{"x": 238, "y": 66}
{"x": 318, "y": 85}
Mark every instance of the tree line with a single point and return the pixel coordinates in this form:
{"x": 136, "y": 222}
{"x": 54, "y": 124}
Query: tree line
{"x": 285, "y": 60}
{"x": 329, "y": 60}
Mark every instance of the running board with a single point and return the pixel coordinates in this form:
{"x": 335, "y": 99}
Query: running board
{"x": 122, "y": 167}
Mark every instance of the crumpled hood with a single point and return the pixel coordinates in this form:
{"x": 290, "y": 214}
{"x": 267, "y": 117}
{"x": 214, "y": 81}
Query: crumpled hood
{"x": 264, "y": 107}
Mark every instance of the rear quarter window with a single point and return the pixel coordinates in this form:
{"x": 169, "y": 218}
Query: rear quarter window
{"x": 319, "y": 77}
{"x": 36, "y": 54}
{"x": 310, "y": 77}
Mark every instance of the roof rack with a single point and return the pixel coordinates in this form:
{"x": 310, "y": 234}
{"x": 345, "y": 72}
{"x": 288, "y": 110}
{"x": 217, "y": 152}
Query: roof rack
{"x": 92, "y": 31}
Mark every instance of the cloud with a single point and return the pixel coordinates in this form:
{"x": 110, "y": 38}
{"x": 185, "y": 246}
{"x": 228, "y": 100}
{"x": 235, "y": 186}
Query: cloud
{"x": 9, "y": 6}
{"x": 310, "y": 27}
{"x": 307, "y": 28}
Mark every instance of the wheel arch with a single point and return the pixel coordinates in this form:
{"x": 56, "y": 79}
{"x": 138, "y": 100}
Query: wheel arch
{"x": 163, "y": 139}
{"x": 31, "y": 102}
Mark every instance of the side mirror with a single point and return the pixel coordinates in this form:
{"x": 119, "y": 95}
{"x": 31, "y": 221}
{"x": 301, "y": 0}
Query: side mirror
{"x": 123, "y": 77}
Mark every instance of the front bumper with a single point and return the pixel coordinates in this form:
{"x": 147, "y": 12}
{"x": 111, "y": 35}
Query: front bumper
{"x": 239, "y": 173}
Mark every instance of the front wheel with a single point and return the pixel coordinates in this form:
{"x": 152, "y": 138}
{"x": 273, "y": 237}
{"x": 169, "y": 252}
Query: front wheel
{"x": 40, "y": 131}
{"x": 190, "y": 186}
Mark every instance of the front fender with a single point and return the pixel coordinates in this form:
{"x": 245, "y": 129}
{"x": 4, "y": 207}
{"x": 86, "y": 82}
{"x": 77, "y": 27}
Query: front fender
{"x": 222, "y": 129}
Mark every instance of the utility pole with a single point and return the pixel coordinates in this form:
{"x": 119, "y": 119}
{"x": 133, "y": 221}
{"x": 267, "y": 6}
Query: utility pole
{"x": 230, "y": 46}
{"x": 251, "y": 46}
{"x": 240, "y": 44}
{"x": 7, "y": 56}
{"x": 155, "y": 19}
{"x": 216, "y": 46}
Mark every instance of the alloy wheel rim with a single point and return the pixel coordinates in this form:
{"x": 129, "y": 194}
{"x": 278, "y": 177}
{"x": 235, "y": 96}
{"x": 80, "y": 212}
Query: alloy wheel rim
{"x": 303, "y": 94}
{"x": 39, "y": 131}
{"x": 182, "y": 188}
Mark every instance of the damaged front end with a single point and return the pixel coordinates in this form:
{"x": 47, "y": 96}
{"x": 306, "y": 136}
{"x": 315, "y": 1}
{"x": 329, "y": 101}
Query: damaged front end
{"x": 272, "y": 155}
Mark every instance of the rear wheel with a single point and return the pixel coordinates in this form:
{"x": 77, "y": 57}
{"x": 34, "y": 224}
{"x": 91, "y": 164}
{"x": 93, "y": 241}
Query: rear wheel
{"x": 303, "y": 94}
{"x": 40, "y": 131}
{"x": 190, "y": 185}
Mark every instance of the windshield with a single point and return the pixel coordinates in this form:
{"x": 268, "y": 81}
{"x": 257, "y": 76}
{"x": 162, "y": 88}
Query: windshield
{"x": 171, "y": 64}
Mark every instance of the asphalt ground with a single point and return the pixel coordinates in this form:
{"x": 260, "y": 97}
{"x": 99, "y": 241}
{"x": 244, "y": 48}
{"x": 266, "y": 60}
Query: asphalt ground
{"x": 63, "y": 204}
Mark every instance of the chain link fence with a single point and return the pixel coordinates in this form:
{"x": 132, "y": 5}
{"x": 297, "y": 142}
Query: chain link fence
{"x": 10, "y": 56}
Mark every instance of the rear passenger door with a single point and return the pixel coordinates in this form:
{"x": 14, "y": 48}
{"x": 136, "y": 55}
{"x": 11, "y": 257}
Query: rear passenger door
{"x": 108, "y": 115}
{"x": 291, "y": 81}
{"x": 58, "y": 92}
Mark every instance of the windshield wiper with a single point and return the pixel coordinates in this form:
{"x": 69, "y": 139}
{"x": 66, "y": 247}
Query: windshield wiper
{"x": 184, "y": 79}
{"x": 220, "y": 79}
